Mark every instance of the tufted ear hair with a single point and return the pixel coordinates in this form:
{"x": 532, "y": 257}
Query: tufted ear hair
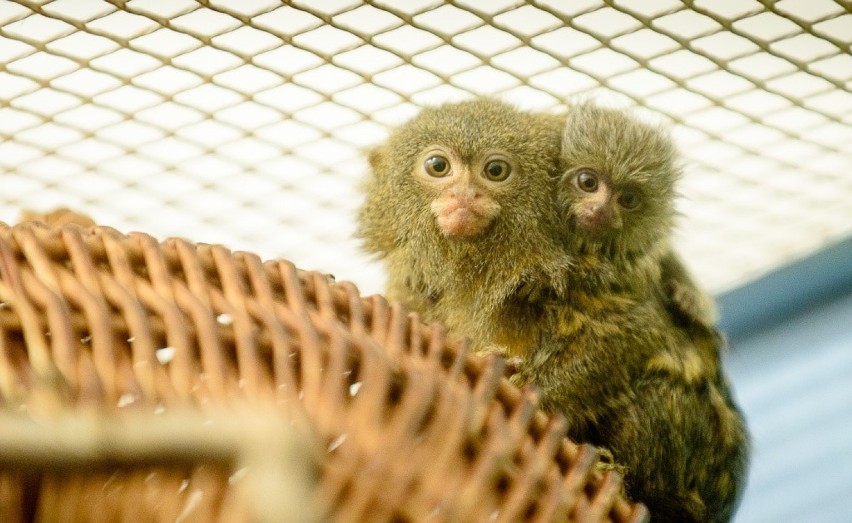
{"x": 376, "y": 156}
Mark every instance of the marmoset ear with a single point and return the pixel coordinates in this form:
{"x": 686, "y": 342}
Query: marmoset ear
{"x": 376, "y": 156}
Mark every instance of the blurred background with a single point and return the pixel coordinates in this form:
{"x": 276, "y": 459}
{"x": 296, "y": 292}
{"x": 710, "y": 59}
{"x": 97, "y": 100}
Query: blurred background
{"x": 244, "y": 123}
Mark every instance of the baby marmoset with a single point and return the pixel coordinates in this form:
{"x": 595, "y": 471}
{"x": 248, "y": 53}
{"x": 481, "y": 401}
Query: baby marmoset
{"x": 459, "y": 205}
{"x": 630, "y": 355}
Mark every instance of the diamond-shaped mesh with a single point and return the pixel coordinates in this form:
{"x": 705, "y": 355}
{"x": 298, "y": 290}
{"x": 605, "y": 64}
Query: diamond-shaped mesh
{"x": 244, "y": 122}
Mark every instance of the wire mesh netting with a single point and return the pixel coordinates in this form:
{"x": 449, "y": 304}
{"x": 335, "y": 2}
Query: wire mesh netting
{"x": 245, "y": 122}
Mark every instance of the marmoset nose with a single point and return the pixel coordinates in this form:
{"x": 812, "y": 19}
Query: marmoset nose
{"x": 466, "y": 192}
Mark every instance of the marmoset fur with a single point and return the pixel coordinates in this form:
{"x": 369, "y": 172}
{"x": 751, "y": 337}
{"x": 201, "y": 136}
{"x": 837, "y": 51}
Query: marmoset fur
{"x": 460, "y": 206}
{"x": 549, "y": 239}
{"x": 631, "y": 356}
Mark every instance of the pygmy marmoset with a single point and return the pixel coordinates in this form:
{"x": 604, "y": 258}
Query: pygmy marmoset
{"x": 631, "y": 355}
{"x": 566, "y": 262}
{"x": 459, "y": 205}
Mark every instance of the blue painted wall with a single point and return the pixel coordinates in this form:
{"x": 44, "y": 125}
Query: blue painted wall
{"x": 792, "y": 375}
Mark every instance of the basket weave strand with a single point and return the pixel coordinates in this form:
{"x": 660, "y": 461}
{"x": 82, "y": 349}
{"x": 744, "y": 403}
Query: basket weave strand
{"x": 401, "y": 423}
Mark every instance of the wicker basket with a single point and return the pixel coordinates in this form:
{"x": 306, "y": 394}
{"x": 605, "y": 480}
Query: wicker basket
{"x": 147, "y": 381}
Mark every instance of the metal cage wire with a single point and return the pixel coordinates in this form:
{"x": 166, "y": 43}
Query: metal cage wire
{"x": 244, "y": 122}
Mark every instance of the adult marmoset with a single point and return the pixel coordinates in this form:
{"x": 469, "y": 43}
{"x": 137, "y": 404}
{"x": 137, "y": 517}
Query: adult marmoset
{"x": 460, "y": 206}
{"x": 631, "y": 354}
